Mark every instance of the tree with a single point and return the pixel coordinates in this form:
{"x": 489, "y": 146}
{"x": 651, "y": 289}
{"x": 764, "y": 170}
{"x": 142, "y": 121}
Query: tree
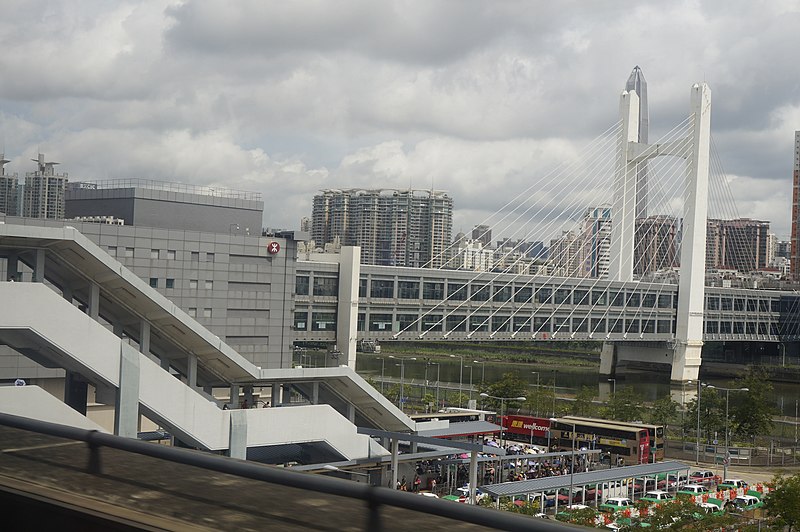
{"x": 625, "y": 405}
{"x": 509, "y": 385}
{"x": 664, "y": 411}
{"x": 751, "y": 412}
{"x": 783, "y": 502}
{"x": 583, "y": 405}
{"x": 712, "y": 413}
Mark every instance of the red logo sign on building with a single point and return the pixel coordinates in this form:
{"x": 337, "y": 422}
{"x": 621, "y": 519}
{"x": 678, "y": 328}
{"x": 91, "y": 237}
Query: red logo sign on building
{"x": 273, "y": 248}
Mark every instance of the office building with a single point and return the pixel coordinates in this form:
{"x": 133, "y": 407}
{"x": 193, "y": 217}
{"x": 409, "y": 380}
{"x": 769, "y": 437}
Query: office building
{"x": 482, "y": 234}
{"x": 741, "y": 244}
{"x": 795, "y": 247}
{"x": 637, "y": 83}
{"x": 44, "y": 192}
{"x": 586, "y": 251}
{"x": 392, "y": 227}
{"x": 656, "y": 245}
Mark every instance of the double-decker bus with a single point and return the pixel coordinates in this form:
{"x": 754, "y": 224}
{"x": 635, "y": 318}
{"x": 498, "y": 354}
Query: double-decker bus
{"x": 656, "y": 433}
{"x": 622, "y": 444}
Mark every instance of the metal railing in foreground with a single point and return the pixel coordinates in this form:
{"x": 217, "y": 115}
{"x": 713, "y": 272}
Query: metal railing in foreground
{"x": 374, "y": 497}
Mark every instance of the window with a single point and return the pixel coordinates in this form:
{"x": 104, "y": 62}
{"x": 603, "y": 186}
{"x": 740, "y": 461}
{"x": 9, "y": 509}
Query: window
{"x": 433, "y": 291}
{"x": 170, "y": 254}
{"x": 479, "y": 323}
{"x": 193, "y": 312}
{"x": 502, "y": 293}
{"x": 456, "y": 291}
{"x": 408, "y": 289}
{"x": 501, "y": 323}
{"x": 112, "y": 250}
{"x": 727, "y": 303}
{"x": 380, "y": 322}
{"x": 154, "y": 282}
{"x": 543, "y": 295}
{"x": 633, "y": 300}
{"x": 480, "y": 293}
{"x": 129, "y": 252}
{"x": 323, "y": 321}
{"x": 209, "y": 285}
{"x": 598, "y": 325}
{"x": 432, "y": 322}
{"x": 206, "y": 312}
{"x": 598, "y": 297}
{"x": 712, "y": 303}
{"x": 301, "y": 285}
{"x": 300, "y": 321}
{"x": 618, "y": 299}
{"x": 580, "y": 297}
{"x": 195, "y": 256}
{"x": 193, "y": 284}
{"x": 649, "y": 300}
{"x": 738, "y": 304}
{"x": 408, "y": 322}
{"x": 562, "y": 295}
{"x": 210, "y": 257}
{"x": 580, "y": 325}
{"x": 664, "y": 326}
{"x": 153, "y": 253}
{"x": 362, "y": 287}
{"x": 632, "y": 326}
{"x": 361, "y": 322}
{"x": 456, "y": 323}
{"x": 170, "y": 283}
{"x": 326, "y": 286}
{"x": 648, "y": 326}
{"x": 524, "y": 294}
{"x": 541, "y": 325}
{"x": 665, "y": 301}
{"x": 383, "y": 288}
{"x": 522, "y": 323}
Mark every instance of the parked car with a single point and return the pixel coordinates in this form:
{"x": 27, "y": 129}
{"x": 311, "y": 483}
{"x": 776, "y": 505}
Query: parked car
{"x": 693, "y": 489}
{"x": 743, "y": 503}
{"x": 615, "y": 504}
{"x": 677, "y": 479}
{"x": 703, "y": 477}
{"x": 732, "y": 484}
{"x": 657, "y": 496}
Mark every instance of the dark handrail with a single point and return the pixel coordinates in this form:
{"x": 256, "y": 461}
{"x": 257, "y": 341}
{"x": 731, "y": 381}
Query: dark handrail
{"x": 374, "y": 496}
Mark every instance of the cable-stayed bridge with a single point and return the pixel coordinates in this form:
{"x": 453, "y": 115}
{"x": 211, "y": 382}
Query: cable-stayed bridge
{"x": 638, "y": 284}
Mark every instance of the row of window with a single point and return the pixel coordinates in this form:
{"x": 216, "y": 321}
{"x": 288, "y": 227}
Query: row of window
{"x": 740, "y": 304}
{"x": 326, "y": 321}
{"x": 206, "y": 312}
{"x": 193, "y": 283}
{"x": 741, "y": 327}
{"x": 155, "y": 254}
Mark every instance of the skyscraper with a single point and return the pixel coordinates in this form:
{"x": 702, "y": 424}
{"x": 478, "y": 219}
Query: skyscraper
{"x": 636, "y": 82}
{"x": 9, "y": 190}
{"x": 795, "y": 258}
{"x": 45, "y": 191}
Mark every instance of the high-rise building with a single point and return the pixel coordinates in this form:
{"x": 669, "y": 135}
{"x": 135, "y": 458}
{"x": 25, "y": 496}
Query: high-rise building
{"x": 585, "y": 252}
{"x": 741, "y": 244}
{"x": 795, "y": 258}
{"x": 482, "y": 234}
{"x": 44, "y": 192}
{"x": 656, "y": 247}
{"x": 9, "y": 190}
{"x": 636, "y": 82}
{"x": 393, "y": 227}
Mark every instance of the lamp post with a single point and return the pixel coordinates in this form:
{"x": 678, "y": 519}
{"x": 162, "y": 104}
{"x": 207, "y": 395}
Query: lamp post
{"x": 470, "y": 381}
{"x": 483, "y": 369}
{"x": 460, "y": 377}
{"x": 438, "y": 367}
{"x": 727, "y": 440}
{"x": 572, "y": 456}
{"x": 537, "y": 400}
{"x": 502, "y": 407}
{"x": 402, "y": 365}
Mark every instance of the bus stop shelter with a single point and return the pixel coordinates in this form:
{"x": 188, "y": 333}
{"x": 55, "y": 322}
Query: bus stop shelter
{"x": 600, "y": 477}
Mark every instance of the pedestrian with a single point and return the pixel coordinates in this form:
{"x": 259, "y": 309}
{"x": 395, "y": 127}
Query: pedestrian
{"x": 417, "y": 482}
{"x": 403, "y": 485}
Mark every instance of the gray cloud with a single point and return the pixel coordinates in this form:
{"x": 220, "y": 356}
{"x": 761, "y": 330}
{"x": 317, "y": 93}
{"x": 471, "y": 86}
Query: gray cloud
{"x": 480, "y": 98}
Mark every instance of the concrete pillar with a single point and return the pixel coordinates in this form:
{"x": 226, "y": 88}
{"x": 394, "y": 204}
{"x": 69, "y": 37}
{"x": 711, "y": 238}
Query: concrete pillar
{"x": 238, "y": 434}
{"x": 234, "y": 393}
{"x": 144, "y": 337}
{"x": 126, "y": 413}
{"x": 191, "y": 370}
{"x": 12, "y": 274}
{"x": 623, "y": 211}
{"x": 276, "y": 394}
{"x": 608, "y": 359}
{"x": 75, "y": 390}
{"x": 473, "y": 476}
{"x": 351, "y": 413}
{"x": 347, "y": 305}
{"x": 94, "y": 301}
{"x": 395, "y": 453}
{"x": 691, "y": 289}
{"x": 248, "y": 395}
{"x": 315, "y": 393}
{"x": 38, "y": 269}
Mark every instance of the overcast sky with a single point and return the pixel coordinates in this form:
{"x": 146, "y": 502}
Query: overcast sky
{"x": 475, "y": 98}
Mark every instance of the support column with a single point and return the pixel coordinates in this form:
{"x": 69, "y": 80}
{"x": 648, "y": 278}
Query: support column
{"x": 276, "y": 394}
{"x": 38, "y": 269}
{"x": 395, "y": 453}
{"x": 237, "y": 447}
{"x": 608, "y": 359}
{"x": 75, "y": 390}
{"x": 234, "y": 396}
{"x": 248, "y": 396}
{"x": 126, "y": 412}
{"x": 94, "y": 301}
{"x": 191, "y": 370}
{"x": 315, "y": 393}
{"x": 347, "y": 306}
{"x": 473, "y": 475}
{"x": 351, "y": 413}
{"x": 623, "y": 211}
{"x": 691, "y": 289}
{"x": 144, "y": 338}
{"x": 12, "y": 274}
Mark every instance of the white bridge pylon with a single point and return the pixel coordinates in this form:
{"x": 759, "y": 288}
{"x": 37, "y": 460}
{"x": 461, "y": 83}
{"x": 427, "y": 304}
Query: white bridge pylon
{"x": 691, "y": 288}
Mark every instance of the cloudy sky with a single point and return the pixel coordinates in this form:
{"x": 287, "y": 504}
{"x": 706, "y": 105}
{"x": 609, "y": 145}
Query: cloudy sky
{"x": 478, "y": 98}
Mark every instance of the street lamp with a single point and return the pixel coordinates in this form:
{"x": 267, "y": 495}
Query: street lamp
{"x": 537, "y": 399}
{"x": 572, "y": 455}
{"x": 460, "y": 378}
{"x": 438, "y": 367}
{"x": 331, "y": 467}
{"x": 470, "y": 381}
{"x": 502, "y": 407}
{"x": 402, "y": 365}
{"x": 700, "y": 387}
{"x": 727, "y": 441}
{"x": 483, "y": 369}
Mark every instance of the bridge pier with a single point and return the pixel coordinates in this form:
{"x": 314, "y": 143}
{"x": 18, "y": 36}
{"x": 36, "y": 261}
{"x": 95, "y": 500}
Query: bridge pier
{"x": 608, "y": 359}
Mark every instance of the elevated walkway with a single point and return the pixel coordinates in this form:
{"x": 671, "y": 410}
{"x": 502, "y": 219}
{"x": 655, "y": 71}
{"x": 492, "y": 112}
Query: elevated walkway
{"x": 50, "y": 329}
